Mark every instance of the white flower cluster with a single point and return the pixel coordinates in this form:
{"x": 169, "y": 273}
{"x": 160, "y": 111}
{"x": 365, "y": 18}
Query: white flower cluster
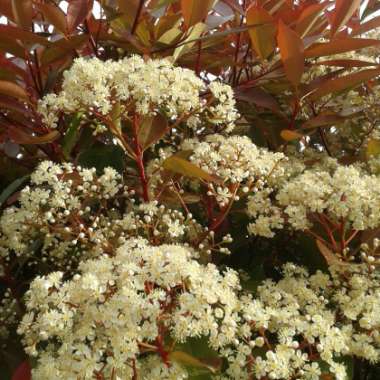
{"x": 304, "y": 322}
{"x": 69, "y": 213}
{"x": 346, "y": 194}
{"x": 63, "y": 213}
{"x": 146, "y": 87}
{"x": 237, "y": 161}
{"x": 118, "y": 312}
{"x": 128, "y": 315}
{"x": 342, "y": 194}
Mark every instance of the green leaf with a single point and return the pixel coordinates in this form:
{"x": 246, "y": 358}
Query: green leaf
{"x": 189, "y": 360}
{"x": 206, "y": 360}
{"x": 71, "y": 135}
{"x": 373, "y": 148}
{"x": 100, "y": 156}
{"x": 11, "y": 188}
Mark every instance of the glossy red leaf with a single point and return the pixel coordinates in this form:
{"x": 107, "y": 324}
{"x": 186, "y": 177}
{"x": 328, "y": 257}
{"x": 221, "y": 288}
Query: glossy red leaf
{"x": 343, "y": 11}
{"x": 23, "y": 12}
{"x": 341, "y": 45}
{"x": 343, "y": 83}
{"x": 292, "y": 53}
{"x": 77, "y": 12}
{"x": 20, "y": 137}
{"x": 54, "y": 15}
{"x": 14, "y": 90}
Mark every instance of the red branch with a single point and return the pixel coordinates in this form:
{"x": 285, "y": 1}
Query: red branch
{"x": 140, "y": 159}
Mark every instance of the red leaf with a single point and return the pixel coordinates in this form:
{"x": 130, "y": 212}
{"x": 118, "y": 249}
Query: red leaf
{"x": 347, "y": 63}
{"x": 308, "y": 18}
{"x": 367, "y": 26}
{"x": 77, "y": 12}
{"x": 292, "y": 53}
{"x": 6, "y": 9}
{"x": 20, "y": 137}
{"x": 13, "y": 89}
{"x": 54, "y": 15}
{"x": 23, "y": 372}
{"x": 343, "y": 83}
{"x": 341, "y": 45}
{"x": 9, "y": 31}
{"x": 63, "y": 47}
{"x": 23, "y": 12}
{"x": 343, "y": 11}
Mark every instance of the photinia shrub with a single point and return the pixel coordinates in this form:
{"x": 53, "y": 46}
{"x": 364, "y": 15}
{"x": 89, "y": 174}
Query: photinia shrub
{"x": 189, "y": 190}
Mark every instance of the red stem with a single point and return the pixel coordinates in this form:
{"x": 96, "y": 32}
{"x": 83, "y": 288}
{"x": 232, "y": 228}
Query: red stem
{"x": 140, "y": 160}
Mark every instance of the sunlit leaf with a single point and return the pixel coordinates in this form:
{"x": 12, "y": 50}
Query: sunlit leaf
{"x": 189, "y": 360}
{"x": 262, "y": 36}
{"x": 181, "y": 166}
{"x": 373, "y": 148}
{"x": 292, "y": 53}
{"x": 330, "y": 257}
{"x": 343, "y": 11}
{"x": 338, "y": 46}
{"x": 170, "y": 36}
{"x": 193, "y": 34}
{"x": 343, "y": 83}
{"x": 290, "y": 135}
{"x": 195, "y": 11}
